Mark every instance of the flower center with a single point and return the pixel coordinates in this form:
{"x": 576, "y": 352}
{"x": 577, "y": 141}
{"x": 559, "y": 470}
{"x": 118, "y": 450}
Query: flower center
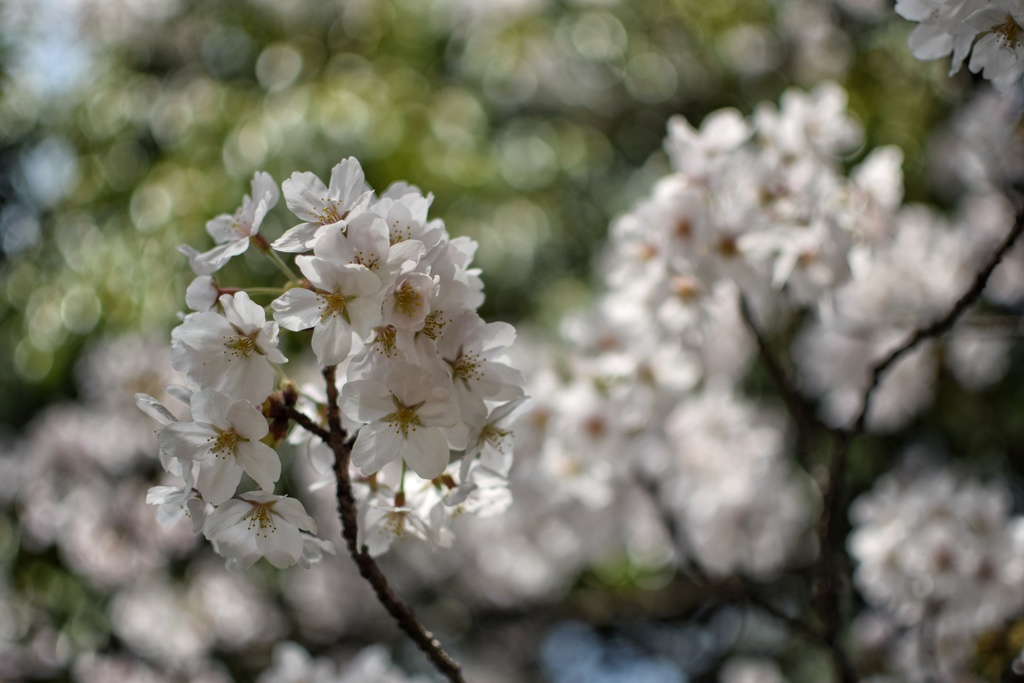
{"x": 685, "y": 287}
{"x": 727, "y": 247}
{"x": 1008, "y": 33}
{"x": 224, "y": 444}
{"x": 334, "y": 304}
{"x": 385, "y": 340}
{"x": 399, "y": 233}
{"x": 242, "y": 345}
{"x": 408, "y": 300}
{"x": 433, "y": 324}
{"x": 329, "y": 213}
{"x": 240, "y": 225}
{"x": 496, "y": 437}
{"x": 394, "y": 523}
{"x": 372, "y": 261}
{"x": 404, "y": 419}
{"x": 261, "y": 520}
{"x": 467, "y": 367}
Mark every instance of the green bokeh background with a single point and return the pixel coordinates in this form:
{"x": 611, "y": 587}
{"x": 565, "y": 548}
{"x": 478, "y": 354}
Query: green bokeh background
{"x": 125, "y": 125}
{"x": 533, "y": 124}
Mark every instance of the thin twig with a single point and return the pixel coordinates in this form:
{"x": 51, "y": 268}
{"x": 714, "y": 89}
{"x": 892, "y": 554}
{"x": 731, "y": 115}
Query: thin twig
{"x": 828, "y": 580}
{"x": 732, "y": 591}
{"x": 341, "y": 444}
{"x": 679, "y": 538}
{"x": 926, "y": 645}
{"x": 833, "y": 557}
{"x": 795, "y": 624}
{"x": 308, "y": 424}
{"x": 802, "y": 412}
{"x": 943, "y": 324}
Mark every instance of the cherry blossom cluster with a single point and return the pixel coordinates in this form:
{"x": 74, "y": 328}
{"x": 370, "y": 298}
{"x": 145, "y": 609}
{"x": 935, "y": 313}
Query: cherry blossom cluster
{"x": 940, "y": 551}
{"x": 756, "y": 206}
{"x": 986, "y": 33}
{"x": 758, "y": 209}
{"x": 391, "y": 300}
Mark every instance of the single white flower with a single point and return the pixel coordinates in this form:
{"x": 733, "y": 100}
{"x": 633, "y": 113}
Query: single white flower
{"x": 408, "y": 303}
{"x": 317, "y": 205}
{"x": 405, "y": 414}
{"x": 347, "y": 301}
{"x": 259, "y": 525}
{"x": 404, "y": 208}
{"x": 363, "y": 240}
{"x": 233, "y": 232}
{"x": 225, "y": 440}
{"x": 999, "y": 53}
{"x": 475, "y": 352}
{"x": 491, "y": 443}
{"x": 231, "y": 353}
{"x": 174, "y": 502}
{"x": 387, "y": 515}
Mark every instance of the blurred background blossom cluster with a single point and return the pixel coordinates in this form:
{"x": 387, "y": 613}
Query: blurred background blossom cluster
{"x": 537, "y": 124}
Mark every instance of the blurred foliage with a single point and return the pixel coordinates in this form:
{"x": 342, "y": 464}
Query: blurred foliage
{"x": 125, "y": 126}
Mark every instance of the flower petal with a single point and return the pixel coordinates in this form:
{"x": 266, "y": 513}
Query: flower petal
{"x": 376, "y": 445}
{"x": 426, "y": 451}
{"x": 260, "y": 462}
{"x": 297, "y": 309}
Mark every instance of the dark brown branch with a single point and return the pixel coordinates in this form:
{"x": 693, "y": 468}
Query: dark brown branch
{"x": 802, "y": 412}
{"x": 402, "y": 613}
{"x": 308, "y": 424}
{"x": 935, "y": 329}
{"x": 833, "y": 557}
{"x": 795, "y": 624}
{"x": 684, "y": 548}
{"x": 828, "y": 575}
{"x": 733, "y": 591}
{"x": 943, "y": 324}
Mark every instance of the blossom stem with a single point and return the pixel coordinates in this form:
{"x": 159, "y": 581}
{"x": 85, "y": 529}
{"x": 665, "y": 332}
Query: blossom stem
{"x": 337, "y": 439}
{"x": 281, "y": 265}
{"x": 799, "y": 409}
{"x": 307, "y": 424}
{"x": 943, "y": 324}
{"x": 271, "y": 291}
{"x": 832, "y": 560}
{"x": 282, "y": 375}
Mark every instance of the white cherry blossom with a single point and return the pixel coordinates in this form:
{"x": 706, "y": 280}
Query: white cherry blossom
{"x": 231, "y": 353}
{"x": 259, "y": 524}
{"x": 346, "y": 301}
{"x": 475, "y": 352}
{"x": 409, "y": 301}
{"x": 175, "y": 502}
{"x": 404, "y": 415}
{"x": 318, "y": 205}
{"x": 988, "y": 32}
{"x": 363, "y": 240}
{"x": 233, "y": 232}
{"x": 224, "y": 439}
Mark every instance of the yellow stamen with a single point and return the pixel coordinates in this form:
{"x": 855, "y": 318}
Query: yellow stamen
{"x": 404, "y": 420}
{"x": 241, "y": 345}
{"x": 334, "y": 304}
{"x": 261, "y": 519}
{"x": 407, "y": 300}
{"x": 467, "y": 367}
{"x": 1008, "y": 33}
